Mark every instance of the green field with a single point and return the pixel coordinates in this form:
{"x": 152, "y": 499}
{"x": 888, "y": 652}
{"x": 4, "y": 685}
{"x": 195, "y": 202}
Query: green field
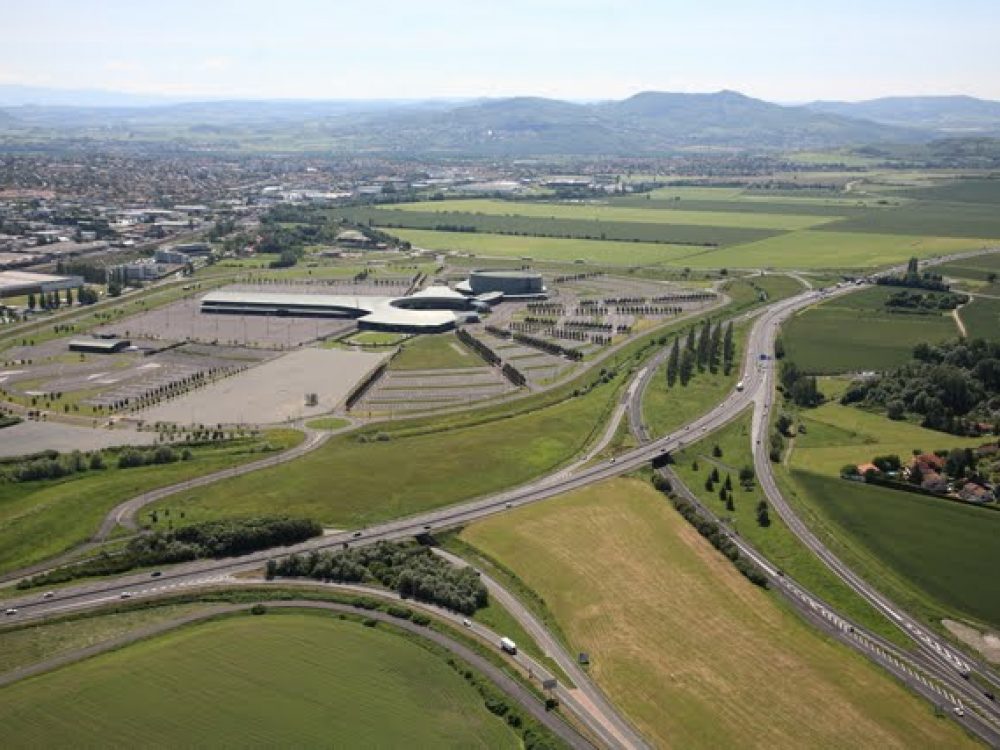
{"x": 547, "y": 248}
{"x": 617, "y": 212}
{"x": 377, "y": 338}
{"x": 829, "y": 249}
{"x": 931, "y": 554}
{"x": 435, "y": 351}
{"x": 691, "y": 652}
{"x": 982, "y": 318}
{"x": 40, "y": 519}
{"x": 288, "y": 680}
{"x": 347, "y": 483}
{"x": 978, "y": 268}
{"x": 945, "y": 550}
{"x": 856, "y": 333}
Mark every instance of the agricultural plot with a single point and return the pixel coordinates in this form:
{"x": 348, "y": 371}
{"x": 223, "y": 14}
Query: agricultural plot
{"x": 978, "y": 268}
{"x": 668, "y": 622}
{"x": 982, "y": 318}
{"x": 281, "y": 680}
{"x": 546, "y": 248}
{"x": 945, "y": 550}
{"x": 815, "y": 208}
{"x": 830, "y": 249}
{"x": 856, "y": 333}
{"x": 670, "y": 231}
{"x": 275, "y": 391}
{"x": 617, "y": 212}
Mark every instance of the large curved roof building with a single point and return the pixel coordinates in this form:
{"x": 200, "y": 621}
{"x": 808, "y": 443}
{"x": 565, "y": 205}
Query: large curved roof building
{"x": 436, "y": 308}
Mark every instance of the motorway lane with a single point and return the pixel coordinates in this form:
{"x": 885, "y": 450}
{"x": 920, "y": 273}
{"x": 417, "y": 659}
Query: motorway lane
{"x": 622, "y": 730}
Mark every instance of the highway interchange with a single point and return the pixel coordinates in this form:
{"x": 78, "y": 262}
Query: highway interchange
{"x": 935, "y": 669}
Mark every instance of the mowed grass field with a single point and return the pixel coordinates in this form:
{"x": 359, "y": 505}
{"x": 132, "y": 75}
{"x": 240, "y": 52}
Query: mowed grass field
{"x": 43, "y": 518}
{"x": 435, "y": 351}
{"x": 945, "y": 550}
{"x": 982, "y": 318}
{"x": 610, "y": 212}
{"x": 830, "y": 249}
{"x": 940, "y": 554}
{"x": 288, "y": 680}
{"x": 855, "y": 333}
{"x": 547, "y": 248}
{"x": 346, "y": 483}
{"x": 694, "y": 654}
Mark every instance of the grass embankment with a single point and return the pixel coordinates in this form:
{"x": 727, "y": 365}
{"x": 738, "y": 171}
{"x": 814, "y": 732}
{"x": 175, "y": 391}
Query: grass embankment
{"x": 435, "y": 351}
{"x": 856, "y": 332}
{"x": 349, "y": 483}
{"x": 665, "y": 408}
{"x": 290, "y": 680}
{"x": 776, "y": 542}
{"x": 694, "y": 654}
{"x": 328, "y": 423}
{"x": 23, "y": 645}
{"x": 933, "y": 556}
{"x": 40, "y": 519}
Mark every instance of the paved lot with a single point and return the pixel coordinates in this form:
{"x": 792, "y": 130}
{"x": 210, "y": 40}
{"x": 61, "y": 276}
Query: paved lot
{"x": 32, "y": 437}
{"x": 274, "y": 391}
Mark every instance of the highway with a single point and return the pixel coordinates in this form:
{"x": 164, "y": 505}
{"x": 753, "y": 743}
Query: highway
{"x": 947, "y": 662}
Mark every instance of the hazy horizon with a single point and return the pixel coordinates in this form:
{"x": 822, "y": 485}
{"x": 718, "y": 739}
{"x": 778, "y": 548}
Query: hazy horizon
{"x": 580, "y": 50}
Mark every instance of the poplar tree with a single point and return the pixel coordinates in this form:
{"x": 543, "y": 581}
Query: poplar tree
{"x": 728, "y": 349}
{"x": 674, "y": 363}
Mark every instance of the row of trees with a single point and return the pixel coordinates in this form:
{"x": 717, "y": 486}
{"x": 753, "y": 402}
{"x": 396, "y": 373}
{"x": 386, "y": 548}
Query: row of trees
{"x": 914, "y": 279}
{"x": 49, "y": 300}
{"x": 925, "y": 301}
{"x": 705, "y": 351}
{"x": 205, "y": 540}
{"x": 406, "y": 567}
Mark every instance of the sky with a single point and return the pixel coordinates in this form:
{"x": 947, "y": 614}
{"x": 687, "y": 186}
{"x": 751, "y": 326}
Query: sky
{"x": 780, "y": 50}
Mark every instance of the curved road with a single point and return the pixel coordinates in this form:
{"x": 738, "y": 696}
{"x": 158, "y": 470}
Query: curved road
{"x": 505, "y": 682}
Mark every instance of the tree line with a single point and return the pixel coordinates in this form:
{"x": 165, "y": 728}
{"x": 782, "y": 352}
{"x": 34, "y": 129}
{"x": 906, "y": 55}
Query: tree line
{"x": 408, "y": 568}
{"x": 707, "y": 349}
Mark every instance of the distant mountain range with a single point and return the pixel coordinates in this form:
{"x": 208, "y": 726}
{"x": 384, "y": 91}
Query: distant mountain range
{"x": 647, "y": 123}
{"x": 961, "y": 115}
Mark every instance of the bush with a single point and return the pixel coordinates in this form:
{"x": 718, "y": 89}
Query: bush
{"x": 258, "y": 609}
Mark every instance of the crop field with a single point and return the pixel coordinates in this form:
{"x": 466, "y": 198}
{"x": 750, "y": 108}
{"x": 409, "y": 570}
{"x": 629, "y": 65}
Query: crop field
{"x": 435, "y": 351}
{"x": 289, "y": 680}
{"x": 976, "y": 192}
{"x": 976, "y": 269}
{"x": 741, "y": 204}
{"x": 347, "y": 483}
{"x": 547, "y": 248}
{"x": 42, "y": 518}
{"x": 693, "y": 653}
{"x": 613, "y": 212}
{"x": 982, "y": 318}
{"x": 855, "y": 333}
{"x": 944, "y": 549}
{"x": 829, "y": 249}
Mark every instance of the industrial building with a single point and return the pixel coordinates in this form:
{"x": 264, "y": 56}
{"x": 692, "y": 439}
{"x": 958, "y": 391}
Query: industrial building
{"x": 515, "y": 283}
{"x": 99, "y": 346}
{"x": 17, "y": 283}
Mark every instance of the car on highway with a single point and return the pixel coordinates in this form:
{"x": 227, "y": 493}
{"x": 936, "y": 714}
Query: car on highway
{"x": 10, "y": 611}
{"x": 959, "y": 711}
{"x": 356, "y": 534}
{"x": 508, "y": 505}
{"x": 467, "y": 622}
{"x": 48, "y": 594}
{"x": 156, "y": 574}
{"x": 426, "y": 526}
{"x": 125, "y": 595}
{"x": 613, "y": 459}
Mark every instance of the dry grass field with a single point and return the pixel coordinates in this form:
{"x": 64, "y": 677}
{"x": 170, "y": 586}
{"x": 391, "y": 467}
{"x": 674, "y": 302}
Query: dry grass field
{"x": 694, "y": 654}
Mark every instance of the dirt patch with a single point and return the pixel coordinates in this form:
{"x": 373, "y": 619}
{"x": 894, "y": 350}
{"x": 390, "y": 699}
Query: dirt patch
{"x": 987, "y": 644}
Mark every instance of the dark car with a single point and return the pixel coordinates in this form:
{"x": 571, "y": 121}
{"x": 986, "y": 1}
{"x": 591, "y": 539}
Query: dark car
{"x": 156, "y": 574}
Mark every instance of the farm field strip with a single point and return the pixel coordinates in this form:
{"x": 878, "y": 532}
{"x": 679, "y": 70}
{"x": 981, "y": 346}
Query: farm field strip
{"x": 614, "y": 212}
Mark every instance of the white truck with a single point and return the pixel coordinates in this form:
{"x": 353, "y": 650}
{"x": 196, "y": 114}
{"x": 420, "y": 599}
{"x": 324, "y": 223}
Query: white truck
{"x": 506, "y": 644}
{"x": 739, "y": 386}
